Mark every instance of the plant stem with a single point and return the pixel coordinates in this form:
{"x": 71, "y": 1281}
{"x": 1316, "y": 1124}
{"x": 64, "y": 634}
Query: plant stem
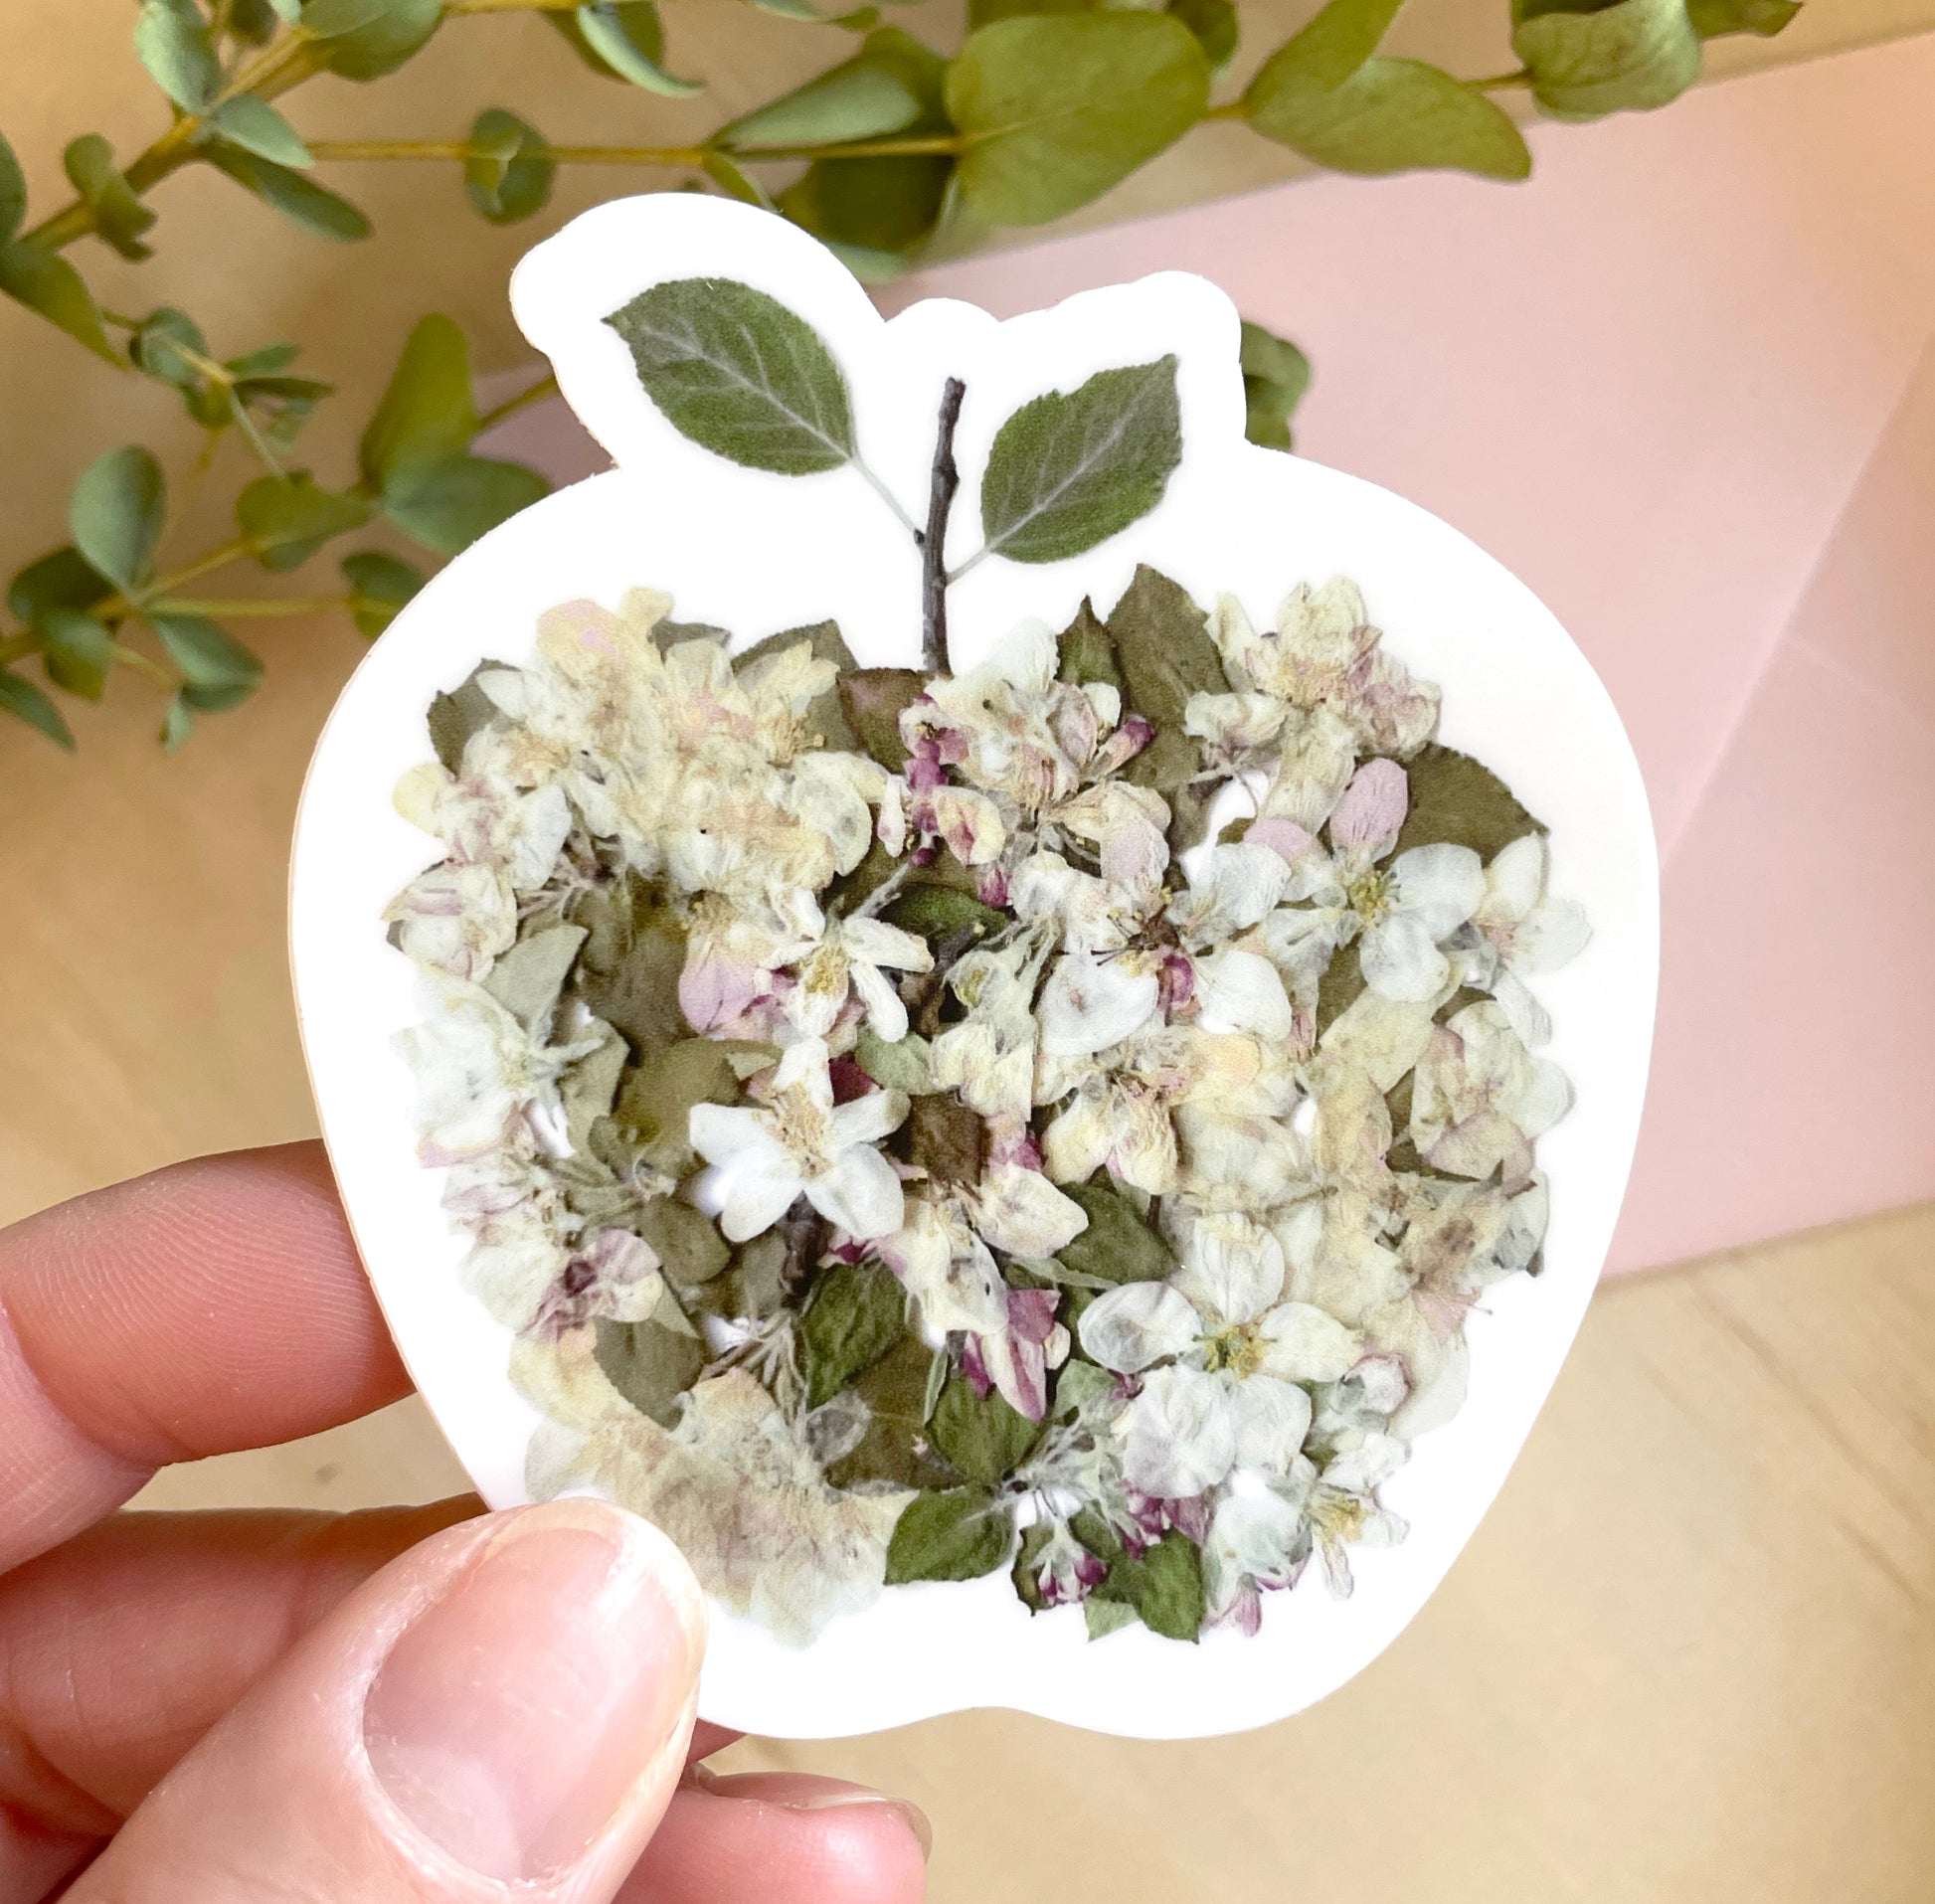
{"x": 364, "y": 150}
{"x": 1521, "y": 78}
{"x": 887, "y": 496}
{"x": 256, "y": 607}
{"x": 933, "y": 539}
{"x": 546, "y": 385}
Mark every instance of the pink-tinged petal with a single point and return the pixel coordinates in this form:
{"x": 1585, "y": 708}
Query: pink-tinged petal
{"x": 973, "y": 1365}
{"x": 1372, "y": 809}
{"x": 1031, "y": 1313}
{"x": 992, "y": 886}
{"x": 849, "y": 1081}
{"x": 1282, "y": 836}
{"x": 713, "y": 988}
{"x": 1019, "y": 1371}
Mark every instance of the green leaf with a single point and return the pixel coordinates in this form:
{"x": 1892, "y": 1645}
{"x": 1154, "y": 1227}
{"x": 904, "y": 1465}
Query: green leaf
{"x": 257, "y": 126}
{"x": 510, "y": 172}
{"x": 857, "y": 1313}
{"x": 1056, "y": 110}
{"x": 1164, "y": 1587}
{"x": 120, "y": 216}
{"x": 1215, "y": 25}
{"x": 657, "y": 1099}
{"x": 896, "y": 1448}
{"x": 686, "y": 1241}
{"x": 1164, "y": 649}
{"x": 861, "y": 100}
{"x": 46, "y": 282}
{"x": 1275, "y": 374}
{"x": 945, "y": 1137}
{"x": 1104, "y": 1617}
{"x": 210, "y": 657}
{"x": 79, "y": 651}
{"x": 1068, "y": 471}
{"x": 160, "y": 345}
{"x": 13, "y": 192}
{"x": 366, "y": 39}
{"x": 116, "y": 513}
{"x": 177, "y": 724}
{"x": 740, "y": 373}
{"x": 938, "y": 913}
{"x": 628, "y": 972}
{"x": 629, "y": 40}
{"x": 1714, "y": 19}
{"x": 873, "y": 700}
{"x": 301, "y": 200}
{"x": 527, "y": 979}
{"x": 1389, "y": 116}
{"x": 25, "y": 702}
{"x": 985, "y": 1437}
{"x": 175, "y": 47}
{"x": 448, "y": 505}
{"x": 958, "y": 1534}
{"x": 653, "y": 1362}
{"x": 62, "y": 580}
{"x": 252, "y": 22}
{"x": 1455, "y": 798}
{"x": 427, "y": 414}
{"x": 1629, "y": 56}
{"x": 1086, "y": 650}
{"x": 905, "y": 1064}
{"x": 291, "y": 517}
{"x": 1120, "y": 1245}
{"x": 736, "y": 182}
{"x": 383, "y": 585}
{"x": 454, "y": 717}
{"x": 981, "y": 13}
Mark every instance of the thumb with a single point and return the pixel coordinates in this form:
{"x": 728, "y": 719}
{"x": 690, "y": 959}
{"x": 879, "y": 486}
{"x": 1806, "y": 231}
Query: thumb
{"x": 507, "y": 1703}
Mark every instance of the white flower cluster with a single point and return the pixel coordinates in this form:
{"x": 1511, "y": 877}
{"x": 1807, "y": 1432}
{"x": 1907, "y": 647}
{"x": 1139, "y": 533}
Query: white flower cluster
{"x": 1292, "y": 1072}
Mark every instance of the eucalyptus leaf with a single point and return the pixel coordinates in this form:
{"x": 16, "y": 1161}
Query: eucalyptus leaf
{"x": 1455, "y": 798}
{"x": 1119, "y": 1244}
{"x": 173, "y": 43}
{"x": 857, "y": 1313}
{"x": 734, "y": 181}
{"x": 120, "y": 216}
{"x": 62, "y": 580}
{"x": 958, "y": 1534}
{"x": 290, "y": 517}
{"x": 1215, "y": 25}
{"x": 257, "y": 126}
{"x": 13, "y": 191}
{"x": 116, "y": 512}
{"x": 737, "y": 372}
{"x": 254, "y": 22}
{"x": 298, "y": 199}
{"x": 26, "y": 702}
{"x": 509, "y": 172}
{"x": 981, "y": 1435}
{"x": 862, "y": 98}
{"x": 1714, "y": 19}
{"x": 428, "y": 414}
{"x": 78, "y": 651}
{"x": 178, "y": 724}
{"x": 1069, "y": 470}
{"x": 1163, "y": 1586}
{"x": 527, "y": 979}
{"x": 1330, "y": 45}
{"x": 382, "y": 584}
{"x": 1057, "y": 109}
{"x": 447, "y": 506}
{"x": 367, "y": 39}
{"x": 209, "y": 656}
{"x": 650, "y": 1363}
{"x": 47, "y": 283}
{"x": 630, "y": 40}
{"x": 1588, "y": 62}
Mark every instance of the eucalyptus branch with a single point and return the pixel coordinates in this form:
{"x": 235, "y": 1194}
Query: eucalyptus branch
{"x": 247, "y": 607}
{"x": 945, "y": 479}
{"x": 537, "y": 393}
{"x": 462, "y": 151}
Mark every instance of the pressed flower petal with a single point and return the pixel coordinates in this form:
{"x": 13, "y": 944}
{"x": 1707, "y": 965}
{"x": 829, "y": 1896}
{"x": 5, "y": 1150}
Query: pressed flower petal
{"x": 1090, "y": 1003}
{"x": 1021, "y": 1212}
{"x": 1439, "y": 886}
{"x": 756, "y": 1199}
{"x": 1371, "y": 812}
{"x": 1233, "y": 1270}
{"x": 724, "y": 1134}
{"x": 886, "y": 1012}
{"x": 879, "y": 944}
{"x": 1271, "y": 1418}
{"x": 1306, "y": 1344}
{"x": 1128, "y": 1328}
{"x": 1400, "y": 958}
{"x": 1178, "y": 1435}
{"x": 1242, "y": 992}
{"x": 869, "y": 1117}
{"x": 860, "y": 1194}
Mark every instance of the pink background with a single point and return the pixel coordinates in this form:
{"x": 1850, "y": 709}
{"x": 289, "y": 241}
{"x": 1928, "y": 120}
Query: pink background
{"x": 1682, "y": 382}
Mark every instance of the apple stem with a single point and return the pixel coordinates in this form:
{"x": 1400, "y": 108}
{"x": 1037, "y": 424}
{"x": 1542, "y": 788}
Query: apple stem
{"x": 932, "y": 540}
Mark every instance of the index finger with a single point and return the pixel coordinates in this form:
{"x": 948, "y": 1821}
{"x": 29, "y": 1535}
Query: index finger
{"x": 213, "y": 1305}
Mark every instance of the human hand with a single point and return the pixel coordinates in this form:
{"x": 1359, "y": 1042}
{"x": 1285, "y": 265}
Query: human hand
{"x": 408, "y": 1706}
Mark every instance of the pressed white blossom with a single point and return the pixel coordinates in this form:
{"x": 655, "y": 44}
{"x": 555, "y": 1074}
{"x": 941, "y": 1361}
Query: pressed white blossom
{"x": 1520, "y": 928}
{"x": 1481, "y": 1097}
{"x": 857, "y": 954}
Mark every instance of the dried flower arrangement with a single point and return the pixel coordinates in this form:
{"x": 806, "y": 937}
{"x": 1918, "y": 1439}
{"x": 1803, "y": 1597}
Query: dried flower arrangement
{"x": 1055, "y": 1117}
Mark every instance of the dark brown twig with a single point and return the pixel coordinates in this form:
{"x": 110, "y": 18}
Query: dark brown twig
{"x": 934, "y": 540}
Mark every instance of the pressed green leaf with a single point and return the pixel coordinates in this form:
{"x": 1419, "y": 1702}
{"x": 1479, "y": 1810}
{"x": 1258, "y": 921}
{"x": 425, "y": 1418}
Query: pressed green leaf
{"x": 896, "y": 1448}
{"x": 1078, "y": 1383}
{"x": 1455, "y": 798}
{"x": 382, "y": 586}
{"x": 857, "y": 1313}
{"x": 939, "y": 913}
{"x": 116, "y": 512}
{"x": 1055, "y": 110}
{"x": 1164, "y": 649}
{"x": 1104, "y": 1617}
{"x": 657, "y": 1099}
{"x": 905, "y": 1064}
{"x": 628, "y": 972}
{"x": 527, "y": 979}
{"x": 208, "y": 655}
{"x": 367, "y": 39}
{"x": 1120, "y": 1245}
{"x": 945, "y": 1137}
{"x": 1163, "y": 1586}
{"x": 62, "y": 580}
{"x": 455, "y": 716}
{"x": 873, "y": 700}
{"x": 686, "y": 1241}
{"x": 862, "y": 98}
{"x": 427, "y": 414}
{"x": 958, "y": 1534}
{"x": 980, "y": 1435}
{"x": 1714, "y": 19}
{"x": 1069, "y": 470}
{"x": 13, "y": 192}
{"x": 447, "y": 506}
{"x": 1215, "y": 25}
{"x": 120, "y": 216}
{"x": 298, "y": 199}
{"x": 46, "y": 282}
{"x": 257, "y": 126}
{"x": 629, "y": 40}
{"x": 79, "y": 651}
{"x": 1389, "y": 116}
{"x": 175, "y": 47}
{"x": 1628, "y": 57}
{"x": 1086, "y": 652}
{"x": 737, "y": 372}
{"x": 510, "y": 172}
{"x": 1339, "y": 987}
{"x": 653, "y": 1362}
{"x": 26, "y": 702}
{"x": 291, "y": 517}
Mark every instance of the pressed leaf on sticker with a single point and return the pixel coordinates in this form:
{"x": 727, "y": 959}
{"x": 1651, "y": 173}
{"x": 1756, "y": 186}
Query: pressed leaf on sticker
{"x": 857, "y": 1313}
{"x": 981, "y": 1435}
{"x": 1456, "y": 799}
{"x": 896, "y": 1448}
{"x": 1163, "y": 1586}
{"x": 958, "y": 1534}
{"x": 1120, "y": 1245}
{"x": 527, "y": 979}
{"x": 653, "y": 1362}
